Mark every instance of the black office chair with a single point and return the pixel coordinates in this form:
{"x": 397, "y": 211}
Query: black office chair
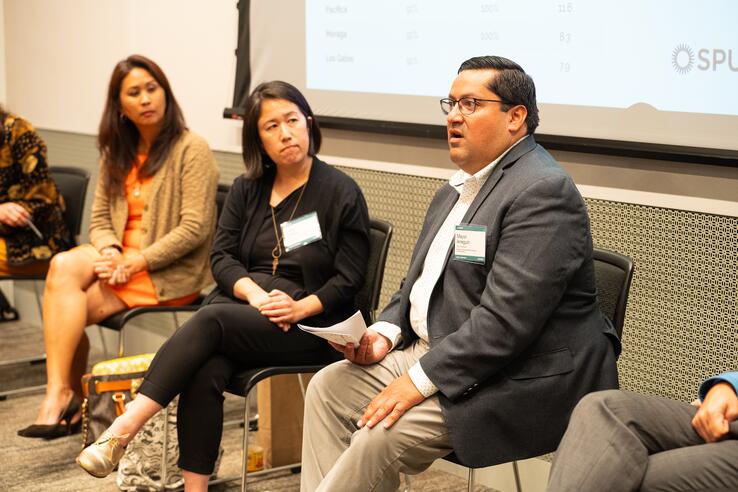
{"x": 72, "y": 183}
{"x": 368, "y": 301}
{"x": 118, "y": 321}
{"x": 613, "y": 276}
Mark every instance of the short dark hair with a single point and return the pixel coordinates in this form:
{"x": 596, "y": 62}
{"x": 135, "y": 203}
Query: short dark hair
{"x": 254, "y": 157}
{"x": 118, "y": 137}
{"x": 512, "y": 84}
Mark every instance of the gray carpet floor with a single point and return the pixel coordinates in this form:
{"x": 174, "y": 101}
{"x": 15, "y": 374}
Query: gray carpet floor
{"x": 40, "y": 465}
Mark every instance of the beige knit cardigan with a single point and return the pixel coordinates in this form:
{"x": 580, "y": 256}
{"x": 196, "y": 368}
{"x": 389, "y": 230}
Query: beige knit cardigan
{"x": 178, "y": 219}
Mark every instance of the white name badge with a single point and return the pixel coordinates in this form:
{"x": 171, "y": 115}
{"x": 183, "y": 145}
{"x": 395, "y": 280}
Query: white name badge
{"x": 301, "y": 231}
{"x": 469, "y": 243}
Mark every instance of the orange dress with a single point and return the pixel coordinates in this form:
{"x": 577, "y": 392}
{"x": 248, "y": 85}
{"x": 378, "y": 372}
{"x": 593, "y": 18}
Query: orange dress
{"x": 139, "y": 290}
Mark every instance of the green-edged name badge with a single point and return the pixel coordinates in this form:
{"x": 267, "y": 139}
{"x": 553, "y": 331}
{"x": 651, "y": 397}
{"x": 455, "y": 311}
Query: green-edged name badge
{"x": 301, "y": 231}
{"x": 469, "y": 241}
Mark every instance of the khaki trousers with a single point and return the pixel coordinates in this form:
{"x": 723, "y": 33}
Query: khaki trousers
{"x": 338, "y": 456}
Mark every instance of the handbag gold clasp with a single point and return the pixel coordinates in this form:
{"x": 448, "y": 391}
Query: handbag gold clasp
{"x": 120, "y": 403}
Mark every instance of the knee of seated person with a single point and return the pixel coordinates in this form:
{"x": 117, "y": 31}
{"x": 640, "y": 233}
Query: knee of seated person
{"x": 202, "y": 325}
{"x": 380, "y": 440}
{"x": 205, "y": 316}
{"x": 63, "y": 264}
{"x": 324, "y": 381}
{"x": 597, "y": 399}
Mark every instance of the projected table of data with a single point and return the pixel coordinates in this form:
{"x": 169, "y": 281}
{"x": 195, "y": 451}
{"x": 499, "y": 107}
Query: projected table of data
{"x": 674, "y": 55}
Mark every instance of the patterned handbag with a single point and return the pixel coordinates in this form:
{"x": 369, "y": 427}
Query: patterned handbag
{"x": 150, "y": 461}
{"x": 107, "y": 388}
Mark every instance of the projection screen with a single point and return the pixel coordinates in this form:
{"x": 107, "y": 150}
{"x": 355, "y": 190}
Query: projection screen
{"x": 658, "y": 72}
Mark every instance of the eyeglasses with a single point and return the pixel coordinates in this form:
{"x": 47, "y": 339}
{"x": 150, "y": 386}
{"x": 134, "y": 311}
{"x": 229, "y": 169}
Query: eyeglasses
{"x": 467, "y": 105}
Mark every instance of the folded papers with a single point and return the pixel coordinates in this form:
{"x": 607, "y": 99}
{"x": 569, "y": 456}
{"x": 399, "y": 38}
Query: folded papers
{"x": 348, "y": 330}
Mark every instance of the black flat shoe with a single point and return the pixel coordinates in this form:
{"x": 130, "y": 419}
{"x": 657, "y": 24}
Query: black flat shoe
{"x": 64, "y": 427}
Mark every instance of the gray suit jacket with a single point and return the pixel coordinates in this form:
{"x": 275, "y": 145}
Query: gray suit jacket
{"x": 517, "y": 341}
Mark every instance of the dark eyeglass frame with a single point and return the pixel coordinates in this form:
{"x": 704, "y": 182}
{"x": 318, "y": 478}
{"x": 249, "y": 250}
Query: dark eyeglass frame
{"x": 451, "y": 103}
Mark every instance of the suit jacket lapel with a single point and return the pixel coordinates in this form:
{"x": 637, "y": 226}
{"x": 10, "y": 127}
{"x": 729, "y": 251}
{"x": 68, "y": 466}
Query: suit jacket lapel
{"x": 440, "y": 216}
{"x": 510, "y": 158}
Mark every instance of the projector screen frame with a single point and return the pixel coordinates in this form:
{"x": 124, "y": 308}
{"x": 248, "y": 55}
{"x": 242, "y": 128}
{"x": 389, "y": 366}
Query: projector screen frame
{"x": 619, "y": 148}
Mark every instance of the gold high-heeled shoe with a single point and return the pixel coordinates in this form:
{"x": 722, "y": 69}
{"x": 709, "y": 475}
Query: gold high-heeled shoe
{"x": 101, "y": 457}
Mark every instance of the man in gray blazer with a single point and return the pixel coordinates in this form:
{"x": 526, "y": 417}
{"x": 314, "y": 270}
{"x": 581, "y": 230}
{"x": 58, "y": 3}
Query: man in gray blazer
{"x": 495, "y": 333}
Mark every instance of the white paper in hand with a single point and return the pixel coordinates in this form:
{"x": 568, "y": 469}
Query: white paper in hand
{"x": 349, "y": 330}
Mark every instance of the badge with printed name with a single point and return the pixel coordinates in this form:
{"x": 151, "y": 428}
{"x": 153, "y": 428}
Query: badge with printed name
{"x": 301, "y": 231}
{"x": 469, "y": 243}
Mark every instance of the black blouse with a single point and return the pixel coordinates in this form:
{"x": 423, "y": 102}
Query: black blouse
{"x": 333, "y": 268}
{"x": 260, "y": 257}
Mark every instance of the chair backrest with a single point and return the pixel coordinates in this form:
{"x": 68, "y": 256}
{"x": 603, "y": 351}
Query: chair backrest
{"x": 380, "y": 234}
{"x": 72, "y": 183}
{"x": 220, "y": 197}
{"x": 613, "y": 275}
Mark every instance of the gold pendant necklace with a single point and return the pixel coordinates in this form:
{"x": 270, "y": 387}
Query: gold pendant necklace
{"x": 137, "y": 189}
{"x": 277, "y": 250}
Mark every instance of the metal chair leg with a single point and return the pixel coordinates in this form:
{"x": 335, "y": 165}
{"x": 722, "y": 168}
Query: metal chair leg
{"x": 408, "y": 484}
{"x": 302, "y": 385}
{"x": 121, "y": 348}
{"x": 165, "y": 450}
{"x": 38, "y": 301}
{"x": 516, "y": 473}
{"x": 470, "y": 483}
{"x": 245, "y": 459}
{"x": 33, "y": 359}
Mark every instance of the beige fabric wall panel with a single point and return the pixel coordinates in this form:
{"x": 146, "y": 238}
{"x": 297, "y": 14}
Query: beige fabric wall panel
{"x": 682, "y": 320}
{"x": 674, "y": 178}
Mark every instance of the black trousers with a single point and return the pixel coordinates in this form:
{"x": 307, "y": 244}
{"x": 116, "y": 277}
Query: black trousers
{"x": 199, "y": 359}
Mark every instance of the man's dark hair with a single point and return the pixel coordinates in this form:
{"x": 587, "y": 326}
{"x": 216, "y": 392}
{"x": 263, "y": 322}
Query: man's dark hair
{"x": 511, "y": 83}
{"x": 255, "y": 157}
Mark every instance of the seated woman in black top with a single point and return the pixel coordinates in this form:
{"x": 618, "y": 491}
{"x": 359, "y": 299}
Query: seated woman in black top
{"x": 267, "y": 278}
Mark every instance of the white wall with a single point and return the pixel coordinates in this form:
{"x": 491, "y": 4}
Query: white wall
{"x": 2, "y": 51}
{"x": 57, "y": 77}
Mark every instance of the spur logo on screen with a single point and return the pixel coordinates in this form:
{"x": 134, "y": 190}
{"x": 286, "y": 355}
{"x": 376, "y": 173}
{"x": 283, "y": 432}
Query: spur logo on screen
{"x": 684, "y": 59}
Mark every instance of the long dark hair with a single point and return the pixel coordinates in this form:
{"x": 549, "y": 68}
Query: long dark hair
{"x": 254, "y": 157}
{"x": 117, "y": 138}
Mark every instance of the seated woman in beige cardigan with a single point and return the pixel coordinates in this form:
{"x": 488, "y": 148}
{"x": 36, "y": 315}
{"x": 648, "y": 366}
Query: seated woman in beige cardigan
{"x": 153, "y": 218}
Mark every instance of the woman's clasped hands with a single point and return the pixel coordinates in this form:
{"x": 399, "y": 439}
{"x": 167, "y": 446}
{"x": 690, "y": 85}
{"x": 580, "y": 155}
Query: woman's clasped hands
{"x": 115, "y": 268}
{"x": 281, "y": 309}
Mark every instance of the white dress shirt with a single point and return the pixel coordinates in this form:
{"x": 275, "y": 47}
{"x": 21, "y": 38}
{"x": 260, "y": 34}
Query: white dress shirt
{"x": 468, "y": 187}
